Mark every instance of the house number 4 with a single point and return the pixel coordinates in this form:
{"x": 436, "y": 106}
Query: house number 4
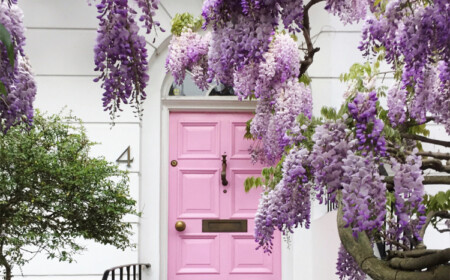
{"x": 126, "y": 153}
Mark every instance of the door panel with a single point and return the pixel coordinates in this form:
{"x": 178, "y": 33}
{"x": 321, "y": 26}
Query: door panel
{"x": 243, "y": 205}
{"x": 196, "y": 193}
{"x": 199, "y": 254}
{"x": 199, "y": 140}
{"x": 196, "y": 198}
{"x": 240, "y": 146}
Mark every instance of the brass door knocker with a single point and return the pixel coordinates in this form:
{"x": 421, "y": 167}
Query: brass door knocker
{"x": 224, "y": 170}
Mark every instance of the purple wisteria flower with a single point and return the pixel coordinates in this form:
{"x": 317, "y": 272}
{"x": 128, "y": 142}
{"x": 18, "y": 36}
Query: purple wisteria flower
{"x": 243, "y": 31}
{"x": 239, "y": 42}
{"x": 349, "y": 11}
{"x": 417, "y": 41}
{"x": 288, "y": 205}
{"x": 347, "y": 268}
{"x": 189, "y": 52}
{"x": 441, "y": 105}
{"x": 276, "y": 118}
{"x": 397, "y": 105}
{"x": 148, "y": 8}
{"x": 409, "y": 192}
{"x": 280, "y": 63}
{"x": 368, "y": 126}
{"x": 16, "y": 78}
{"x": 363, "y": 194}
{"x": 331, "y": 143}
{"x": 120, "y": 57}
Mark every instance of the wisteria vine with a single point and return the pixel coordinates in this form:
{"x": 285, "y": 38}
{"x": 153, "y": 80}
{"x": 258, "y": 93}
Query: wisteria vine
{"x": 345, "y": 151}
{"x": 16, "y": 78}
{"x": 121, "y": 53}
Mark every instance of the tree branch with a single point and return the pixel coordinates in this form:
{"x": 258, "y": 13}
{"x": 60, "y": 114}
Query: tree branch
{"x": 435, "y": 164}
{"x": 430, "y": 216}
{"x": 428, "y": 180}
{"x": 410, "y": 254}
{"x": 306, "y": 29}
{"x": 361, "y": 250}
{"x": 426, "y": 139}
{"x": 444, "y": 156}
{"x": 431, "y": 260}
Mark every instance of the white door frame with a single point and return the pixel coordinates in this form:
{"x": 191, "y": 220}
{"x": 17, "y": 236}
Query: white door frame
{"x": 199, "y": 104}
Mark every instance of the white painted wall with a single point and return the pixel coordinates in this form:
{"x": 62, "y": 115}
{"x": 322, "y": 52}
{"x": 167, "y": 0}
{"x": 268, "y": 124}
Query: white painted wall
{"x": 60, "y": 40}
{"x": 61, "y": 37}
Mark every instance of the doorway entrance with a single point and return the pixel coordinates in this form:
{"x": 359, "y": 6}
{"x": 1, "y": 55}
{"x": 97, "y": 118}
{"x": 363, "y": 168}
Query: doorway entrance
{"x": 211, "y": 217}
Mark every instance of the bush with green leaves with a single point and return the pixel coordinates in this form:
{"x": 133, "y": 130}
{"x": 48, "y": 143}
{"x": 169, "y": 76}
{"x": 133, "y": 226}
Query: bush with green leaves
{"x": 52, "y": 193}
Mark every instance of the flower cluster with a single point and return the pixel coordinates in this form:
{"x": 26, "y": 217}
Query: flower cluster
{"x": 416, "y": 40}
{"x": 218, "y": 12}
{"x": 17, "y": 82}
{"x": 288, "y": 204}
{"x": 242, "y": 32}
{"x": 239, "y": 42}
{"x": 329, "y": 150}
{"x": 441, "y": 105}
{"x": 280, "y": 63}
{"x": 347, "y": 268}
{"x": 294, "y": 99}
{"x": 368, "y": 126}
{"x": 396, "y": 104}
{"x": 276, "y": 117}
{"x": 148, "y": 8}
{"x": 189, "y": 52}
{"x": 349, "y": 11}
{"x": 120, "y": 56}
{"x": 409, "y": 191}
{"x": 17, "y": 106}
{"x": 363, "y": 194}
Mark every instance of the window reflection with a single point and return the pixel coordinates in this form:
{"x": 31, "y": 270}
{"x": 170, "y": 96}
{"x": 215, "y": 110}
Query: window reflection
{"x": 188, "y": 88}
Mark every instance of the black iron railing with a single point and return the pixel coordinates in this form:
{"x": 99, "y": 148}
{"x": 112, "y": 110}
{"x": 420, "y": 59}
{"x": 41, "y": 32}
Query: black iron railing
{"x": 331, "y": 206}
{"x": 128, "y": 272}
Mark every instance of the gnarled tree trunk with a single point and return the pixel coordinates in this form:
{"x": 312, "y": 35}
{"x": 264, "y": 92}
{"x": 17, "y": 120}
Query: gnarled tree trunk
{"x": 362, "y": 251}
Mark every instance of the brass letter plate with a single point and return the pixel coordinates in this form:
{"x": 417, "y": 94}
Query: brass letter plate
{"x": 224, "y": 225}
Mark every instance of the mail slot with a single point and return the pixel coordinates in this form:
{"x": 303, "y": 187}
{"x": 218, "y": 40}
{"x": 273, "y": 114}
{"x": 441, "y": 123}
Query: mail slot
{"x": 224, "y": 225}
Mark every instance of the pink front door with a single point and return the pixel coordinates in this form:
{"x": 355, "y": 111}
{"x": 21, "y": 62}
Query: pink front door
{"x": 197, "y": 196}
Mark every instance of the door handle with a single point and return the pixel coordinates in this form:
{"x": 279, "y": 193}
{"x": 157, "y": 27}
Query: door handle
{"x": 180, "y": 226}
{"x": 224, "y": 170}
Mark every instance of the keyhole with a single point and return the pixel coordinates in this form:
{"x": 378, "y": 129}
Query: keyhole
{"x": 224, "y": 191}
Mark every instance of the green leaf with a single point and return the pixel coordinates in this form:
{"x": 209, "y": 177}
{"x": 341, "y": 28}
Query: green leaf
{"x": 5, "y": 37}
{"x": 3, "y": 89}
{"x": 305, "y": 79}
{"x": 183, "y": 21}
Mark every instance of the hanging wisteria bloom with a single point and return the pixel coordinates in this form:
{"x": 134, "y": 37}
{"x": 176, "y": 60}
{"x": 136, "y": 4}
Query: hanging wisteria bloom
{"x": 347, "y": 267}
{"x": 294, "y": 99}
{"x": 288, "y": 205}
{"x": 363, "y": 194}
{"x": 120, "y": 57}
{"x": 397, "y": 105}
{"x": 409, "y": 192}
{"x": 239, "y": 42}
{"x": 416, "y": 40}
{"x": 148, "y": 8}
{"x": 331, "y": 143}
{"x": 243, "y": 30}
{"x": 368, "y": 127}
{"x": 441, "y": 105}
{"x": 17, "y": 81}
{"x": 189, "y": 52}
{"x": 275, "y": 119}
{"x": 424, "y": 95}
{"x": 349, "y": 11}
